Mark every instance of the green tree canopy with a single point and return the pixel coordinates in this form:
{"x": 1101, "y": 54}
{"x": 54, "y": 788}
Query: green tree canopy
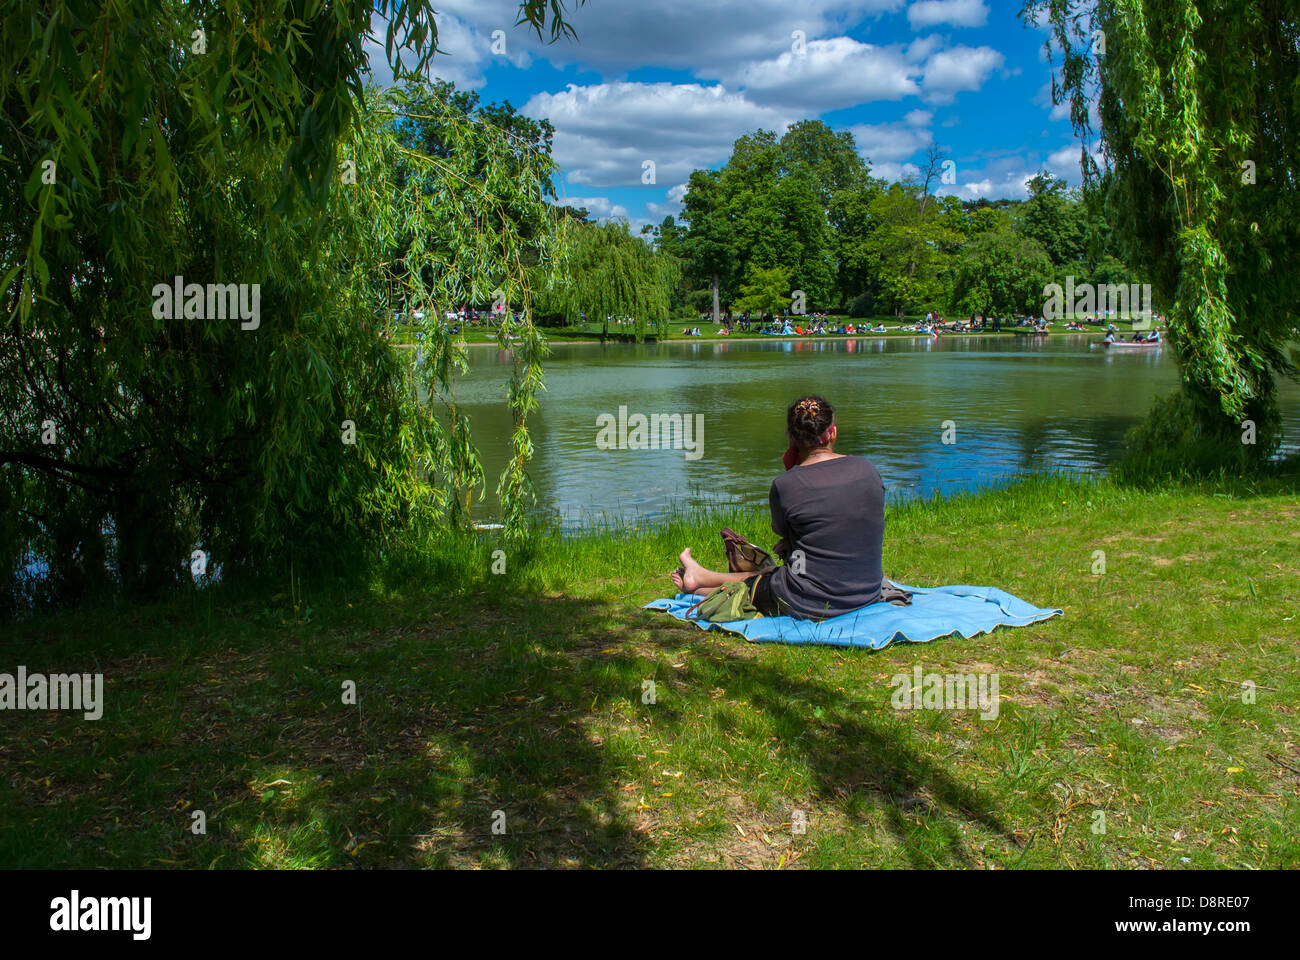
{"x": 777, "y": 202}
{"x": 1000, "y": 272}
{"x": 709, "y": 244}
{"x": 910, "y": 241}
{"x": 1053, "y": 219}
{"x": 764, "y": 291}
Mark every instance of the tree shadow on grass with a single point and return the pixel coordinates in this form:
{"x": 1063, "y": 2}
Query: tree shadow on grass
{"x": 463, "y": 709}
{"x": 856, "y": 753}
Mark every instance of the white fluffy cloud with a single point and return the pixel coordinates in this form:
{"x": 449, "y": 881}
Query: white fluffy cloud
{"x": 958, "y": 13}
{"x": 1011, "y": 186}
{"x": 842, "y": 72}
{"x": 949, "y": 72}
{"x": 893, "y": 171}
{"x": 831, "y": 74}
{"x": 884, "y": 144}
{"x": 673, "y": 205}
{"x": 1065, "y": 163}
{"x": 606, "y": 132}
{"x": 888, "y": 145}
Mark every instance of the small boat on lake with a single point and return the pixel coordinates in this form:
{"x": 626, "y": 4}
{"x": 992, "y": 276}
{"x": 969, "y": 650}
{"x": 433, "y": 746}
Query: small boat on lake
{"x": 1132, "y": 344}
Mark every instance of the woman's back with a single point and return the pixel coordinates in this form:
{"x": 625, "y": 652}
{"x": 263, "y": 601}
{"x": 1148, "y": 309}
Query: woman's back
{"x": 833, "y": 511}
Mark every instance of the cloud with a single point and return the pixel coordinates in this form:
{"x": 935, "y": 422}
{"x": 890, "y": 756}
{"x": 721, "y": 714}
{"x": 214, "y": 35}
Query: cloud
{"x": 1011, "y": 186}
{"x": 958, "y": 13}
{"x": 973, "y": 191}
{"x": 895, "y": 171}
{"x": 600, "y": 208}
{"x": 886, "y": 143}
{"x": 949, "y": 72}
{"x": 673, "y": 206}
{"x": 921, "y": 48}
{"x": 1065, "y": 163}
{"x": 606, "y": 132}
{"x": 834, "y": 73}
{"x": 842, "y": 72}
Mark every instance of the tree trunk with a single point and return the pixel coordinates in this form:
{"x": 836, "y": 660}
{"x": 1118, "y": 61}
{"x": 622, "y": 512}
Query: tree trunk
{"x": 715, "y": 298}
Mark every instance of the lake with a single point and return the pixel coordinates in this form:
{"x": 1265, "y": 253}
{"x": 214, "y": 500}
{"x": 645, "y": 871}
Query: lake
{"x": 1015, "y": 404}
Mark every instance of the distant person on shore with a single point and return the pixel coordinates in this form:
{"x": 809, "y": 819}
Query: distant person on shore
{"x": 829, "y": 511}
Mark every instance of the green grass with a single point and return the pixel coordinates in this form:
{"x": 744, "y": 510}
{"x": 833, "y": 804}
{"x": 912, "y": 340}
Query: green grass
{"x": 523, "y": 693}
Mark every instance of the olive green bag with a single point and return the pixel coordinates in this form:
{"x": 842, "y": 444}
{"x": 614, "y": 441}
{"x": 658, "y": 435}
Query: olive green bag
{"x": 728, "y": 602}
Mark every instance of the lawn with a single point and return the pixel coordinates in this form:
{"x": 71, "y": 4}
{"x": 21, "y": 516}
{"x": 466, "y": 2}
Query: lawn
{"x": 525, "y": 693}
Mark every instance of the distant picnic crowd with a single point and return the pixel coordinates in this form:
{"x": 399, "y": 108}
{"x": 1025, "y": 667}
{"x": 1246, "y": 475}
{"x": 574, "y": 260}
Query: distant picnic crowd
{"x": 934, "y": 324}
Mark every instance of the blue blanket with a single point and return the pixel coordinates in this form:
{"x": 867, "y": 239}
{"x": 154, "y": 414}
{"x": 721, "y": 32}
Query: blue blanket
{"x": 935, "y": 612}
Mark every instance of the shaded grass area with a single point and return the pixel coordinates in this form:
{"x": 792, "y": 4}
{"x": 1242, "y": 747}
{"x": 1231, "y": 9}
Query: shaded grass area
{"x": 526, "y": 692}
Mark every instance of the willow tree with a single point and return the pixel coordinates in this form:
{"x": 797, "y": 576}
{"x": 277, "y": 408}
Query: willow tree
{"x": 1200, "y": 117}
{"x": 605, "y": 272}
{"x": 231, "y": 145}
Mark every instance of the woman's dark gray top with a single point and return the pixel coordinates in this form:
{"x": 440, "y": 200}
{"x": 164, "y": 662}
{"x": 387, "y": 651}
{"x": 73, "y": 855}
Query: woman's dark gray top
{"x": 833, "y": 514}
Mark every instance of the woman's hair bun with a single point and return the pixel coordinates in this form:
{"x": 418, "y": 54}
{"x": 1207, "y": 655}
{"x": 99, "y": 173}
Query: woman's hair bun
{"x": 807, "y": 419}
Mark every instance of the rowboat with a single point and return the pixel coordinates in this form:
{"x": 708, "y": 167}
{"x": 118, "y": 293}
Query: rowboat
{"x": 1130, "y": 345}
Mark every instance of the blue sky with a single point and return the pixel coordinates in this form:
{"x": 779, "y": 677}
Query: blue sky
{"x": 674, "y": 82}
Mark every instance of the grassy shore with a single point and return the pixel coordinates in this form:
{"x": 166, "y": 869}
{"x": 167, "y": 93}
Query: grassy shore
{"x": 523, "y": 692}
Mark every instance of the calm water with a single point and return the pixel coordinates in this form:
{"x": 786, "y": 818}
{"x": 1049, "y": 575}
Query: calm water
{"x": 1016, "y": 404}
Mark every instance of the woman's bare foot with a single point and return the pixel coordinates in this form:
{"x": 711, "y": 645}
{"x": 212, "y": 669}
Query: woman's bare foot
{"x": 689, "y": 578}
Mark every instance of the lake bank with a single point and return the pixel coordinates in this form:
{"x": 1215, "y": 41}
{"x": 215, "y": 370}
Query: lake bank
{"x": 523, "y": 692}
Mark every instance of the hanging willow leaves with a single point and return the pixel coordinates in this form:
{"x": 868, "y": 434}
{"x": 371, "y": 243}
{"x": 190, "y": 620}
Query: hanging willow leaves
{"x": 209, "y": 141}
{"x": 1199, "y": 114}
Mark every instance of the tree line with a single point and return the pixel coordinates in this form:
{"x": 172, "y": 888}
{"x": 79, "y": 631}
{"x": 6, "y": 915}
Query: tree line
{"x": 800, "y": 218}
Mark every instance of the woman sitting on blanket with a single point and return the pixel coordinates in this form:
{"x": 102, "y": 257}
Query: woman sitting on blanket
{"x": 829, "y": 510}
